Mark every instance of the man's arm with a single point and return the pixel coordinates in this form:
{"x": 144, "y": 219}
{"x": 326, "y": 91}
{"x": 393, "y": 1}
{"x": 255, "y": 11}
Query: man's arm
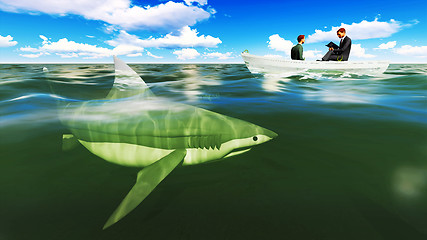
{"x": 300, "y": 53}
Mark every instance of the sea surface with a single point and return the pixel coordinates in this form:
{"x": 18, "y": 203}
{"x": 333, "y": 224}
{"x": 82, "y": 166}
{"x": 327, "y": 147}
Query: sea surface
{"x": 350, "y": 161}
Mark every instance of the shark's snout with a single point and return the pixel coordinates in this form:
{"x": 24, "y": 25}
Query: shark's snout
{"x": 273, "y": 134}
{"x": 269, "y": 133}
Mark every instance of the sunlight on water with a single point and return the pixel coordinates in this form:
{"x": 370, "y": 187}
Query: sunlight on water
{"x": 411, "y": 182}
{"x": 274, "y": 82}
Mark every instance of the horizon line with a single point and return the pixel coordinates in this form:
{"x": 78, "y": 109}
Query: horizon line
{"x": 126, "y": 62}
{"x": 162, "y": 62}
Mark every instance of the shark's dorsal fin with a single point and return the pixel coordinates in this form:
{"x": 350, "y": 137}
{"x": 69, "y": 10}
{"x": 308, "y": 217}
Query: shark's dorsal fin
{"x": 127, "y": 83}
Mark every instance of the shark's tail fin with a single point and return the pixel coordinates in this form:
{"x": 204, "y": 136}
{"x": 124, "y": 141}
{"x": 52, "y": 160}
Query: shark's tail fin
{"x": 127, "y": 83}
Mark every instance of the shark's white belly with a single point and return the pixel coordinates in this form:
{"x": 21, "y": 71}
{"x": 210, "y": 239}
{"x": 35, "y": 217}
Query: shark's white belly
{"x": 141, "y": 156}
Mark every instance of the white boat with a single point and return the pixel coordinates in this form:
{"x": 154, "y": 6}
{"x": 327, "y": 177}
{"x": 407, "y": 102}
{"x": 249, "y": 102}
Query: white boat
{"x": 260, "y": 64}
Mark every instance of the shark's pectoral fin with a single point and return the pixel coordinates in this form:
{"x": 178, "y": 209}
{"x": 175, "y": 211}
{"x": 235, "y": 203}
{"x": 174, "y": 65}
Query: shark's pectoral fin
{"x": 69, "y": 141}
{"x": 148, "y": 178}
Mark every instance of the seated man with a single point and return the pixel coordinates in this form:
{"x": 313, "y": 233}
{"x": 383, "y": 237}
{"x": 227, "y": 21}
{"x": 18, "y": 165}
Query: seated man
{"x": 342, "y": 52}
{"x": 296, "y": 51}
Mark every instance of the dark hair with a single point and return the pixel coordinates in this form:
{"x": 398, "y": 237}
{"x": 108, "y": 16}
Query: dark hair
{"x": 300, "y": 37}
{"x": 341, "y": 30}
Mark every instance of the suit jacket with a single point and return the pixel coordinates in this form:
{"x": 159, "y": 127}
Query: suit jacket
{"x": 296, "y": 52}
{"x": 344, "y": 50}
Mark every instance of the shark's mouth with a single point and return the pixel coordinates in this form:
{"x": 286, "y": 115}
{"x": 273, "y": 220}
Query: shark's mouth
{"x": 237, "y": 151}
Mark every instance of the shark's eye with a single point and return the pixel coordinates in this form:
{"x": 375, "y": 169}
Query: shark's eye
{"x": 255, "y": 138}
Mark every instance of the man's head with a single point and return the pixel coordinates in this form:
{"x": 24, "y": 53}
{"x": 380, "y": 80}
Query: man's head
{"x": 341, "y": 33}
{"x": 301, "y": 39}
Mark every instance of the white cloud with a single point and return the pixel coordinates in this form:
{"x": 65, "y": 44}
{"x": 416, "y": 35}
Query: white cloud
{"x": 124, "y": 49}
{"x": 166, "y": 16}
{"x": 358, "y": 51}
{"x": 358, "y": 31}
{"x": 186, "y": 53}
{"x": 67, "y": 55}
{"x": 29, "y": 49}
{"x": 152, "y": 55}
{"x": 7, "y": 41}
{"x": 134, "y": 55}
{"x": 218, "y": 55}
{"x": 90, "y": 36}
{"x": 280, "y": 44}
{"x": 312, "y": 54}
{"x": 201, "y": 2}
{"x": 45, "y": 39}
{"x": 66, "y": 48}
{"x": 388, "y": 45}
{"x": 109, "y": 29}
{"x": 415, "y": 51}
{"x": 31, "y": 55}
{"x": 186, "y": 37}
{"x": 70, "y": 49}
{"x": 211, "y": 10}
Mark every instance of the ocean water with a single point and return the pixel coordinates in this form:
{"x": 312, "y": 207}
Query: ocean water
{"x": 350, "y": 161}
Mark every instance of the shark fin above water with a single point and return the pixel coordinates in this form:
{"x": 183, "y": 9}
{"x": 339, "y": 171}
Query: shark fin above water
{"x": 127, "y": 83}
{"x": 148, "y": 178}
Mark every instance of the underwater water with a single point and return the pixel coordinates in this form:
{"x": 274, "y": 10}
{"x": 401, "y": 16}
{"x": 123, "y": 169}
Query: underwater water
{"x": 350, "y": 161}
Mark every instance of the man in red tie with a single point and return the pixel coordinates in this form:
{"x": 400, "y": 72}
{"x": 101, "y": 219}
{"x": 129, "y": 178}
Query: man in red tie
{"x": 342, "y": 52}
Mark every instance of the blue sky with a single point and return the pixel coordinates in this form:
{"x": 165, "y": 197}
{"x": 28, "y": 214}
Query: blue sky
{"x": 206, "y": 31}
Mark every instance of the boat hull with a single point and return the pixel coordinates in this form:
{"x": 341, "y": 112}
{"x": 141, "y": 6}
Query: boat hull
{"x": 259, "y": 64}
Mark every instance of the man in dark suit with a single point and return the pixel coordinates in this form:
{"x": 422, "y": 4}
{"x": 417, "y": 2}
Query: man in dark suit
{"x": 296, "y": 51}
{"x": 343, "y": 52}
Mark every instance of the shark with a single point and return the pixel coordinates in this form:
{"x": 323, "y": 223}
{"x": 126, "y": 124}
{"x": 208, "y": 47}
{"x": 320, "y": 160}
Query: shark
{"x": 133, "y": 127}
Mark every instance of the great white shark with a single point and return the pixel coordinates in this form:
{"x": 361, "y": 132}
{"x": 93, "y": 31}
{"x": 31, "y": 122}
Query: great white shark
{"x": 133, "y": 127}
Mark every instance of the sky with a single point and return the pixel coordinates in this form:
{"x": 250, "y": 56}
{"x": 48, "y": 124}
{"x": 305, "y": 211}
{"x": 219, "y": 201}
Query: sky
{"x": 151, "y": 31}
